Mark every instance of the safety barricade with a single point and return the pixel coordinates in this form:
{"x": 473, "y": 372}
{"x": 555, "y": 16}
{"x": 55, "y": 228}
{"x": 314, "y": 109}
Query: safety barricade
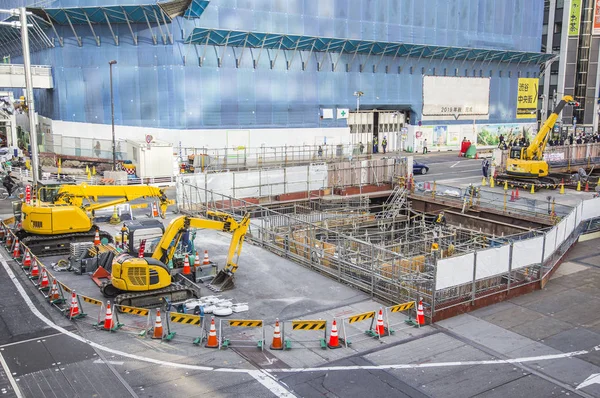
{"x": 110, "y": 321}
{"x": 243, "y": 323}
{"x": 141, "y": 312}
{"x": 306, "y": 326}
{"x": 186, "y": 319}
{"x": 406, "y": 323}
{"x": 353, "y": 319}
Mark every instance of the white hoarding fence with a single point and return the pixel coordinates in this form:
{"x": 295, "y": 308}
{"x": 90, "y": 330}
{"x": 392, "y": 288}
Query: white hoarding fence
{"x": 527, "y": 252}
{"x": 491, "y": 262}
{"x": 454, "y": 271}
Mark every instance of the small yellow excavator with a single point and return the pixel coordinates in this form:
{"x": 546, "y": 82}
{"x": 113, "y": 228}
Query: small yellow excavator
{"x": 67, "y": 214}
{"x": 528, "y": 161}
{"x": 144, "y": 282}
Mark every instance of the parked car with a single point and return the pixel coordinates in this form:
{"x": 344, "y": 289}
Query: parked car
{"x": 420, "y": 168}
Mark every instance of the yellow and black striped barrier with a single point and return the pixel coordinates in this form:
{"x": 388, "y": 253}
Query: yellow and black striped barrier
{"x": 185, "y": 319}
{"x": 133, "y": 310}
{"x": 361, "y": 317}
{"x": 309, "y": 325}
{"x": 243, "y": 323}
{"x": 91, "y": 300}
{"x": 409, "y": 322}
{"x": 347, "y": 338}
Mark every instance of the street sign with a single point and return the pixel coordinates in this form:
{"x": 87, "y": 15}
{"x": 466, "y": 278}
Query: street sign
{"x": 418, "y": 134}
{"x": 148, "y": 138}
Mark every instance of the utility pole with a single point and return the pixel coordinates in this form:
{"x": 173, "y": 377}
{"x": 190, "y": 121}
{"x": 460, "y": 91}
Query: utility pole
{"x": 112, "y": 115}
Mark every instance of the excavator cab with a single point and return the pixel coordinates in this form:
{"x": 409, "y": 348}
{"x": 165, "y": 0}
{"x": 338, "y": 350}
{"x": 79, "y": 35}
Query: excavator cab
{"x": 516, "y": 152}
{"x": 48, "y": 189}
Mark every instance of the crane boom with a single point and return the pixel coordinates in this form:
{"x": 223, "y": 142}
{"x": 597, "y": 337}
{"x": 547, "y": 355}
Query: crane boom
{"x": 535, "y": 151}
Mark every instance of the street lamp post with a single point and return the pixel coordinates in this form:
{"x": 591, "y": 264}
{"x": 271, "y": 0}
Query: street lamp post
{"x": 358, "y": 94}
{"x": 112, "y": 115}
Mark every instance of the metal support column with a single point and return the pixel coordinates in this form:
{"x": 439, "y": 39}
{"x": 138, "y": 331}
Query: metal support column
{"x": 29, "y": 95}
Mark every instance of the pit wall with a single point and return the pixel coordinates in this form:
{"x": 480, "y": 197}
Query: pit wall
{"x": 463, "y": 280}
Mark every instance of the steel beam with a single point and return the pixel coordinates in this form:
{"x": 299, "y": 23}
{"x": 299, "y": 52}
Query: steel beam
{"x": 162, "y": 34}
{"x": 60, "y": 39}
{"x": 154, "y": 40}
{"x": 133, "y": 36}
{"x": 112, "y": 32}
{"x": 73, "y": 29}
{"x": 87, "y": 18}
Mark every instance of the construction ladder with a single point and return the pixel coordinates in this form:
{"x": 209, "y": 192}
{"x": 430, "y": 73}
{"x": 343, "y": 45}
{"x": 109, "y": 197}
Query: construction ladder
{"x": 395, "y": 203}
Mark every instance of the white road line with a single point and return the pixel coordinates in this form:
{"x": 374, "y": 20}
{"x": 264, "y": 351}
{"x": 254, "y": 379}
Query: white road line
{"x": 455, "y": 164}
{"x": 12, "y": 380}
{"x": 29, "y": 340}
{"x": 261, "y": 375}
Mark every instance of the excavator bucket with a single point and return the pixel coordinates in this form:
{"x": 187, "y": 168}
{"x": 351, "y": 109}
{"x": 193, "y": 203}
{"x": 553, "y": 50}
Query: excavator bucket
{"x": 223, "y": 281}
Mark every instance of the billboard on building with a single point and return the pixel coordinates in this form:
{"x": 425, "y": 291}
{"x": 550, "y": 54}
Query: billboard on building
{"x": 527, "y": 98}
{"x": 574, "y": 17}
{"x": 596, "y": 21}
{"x": 456, "y": 98}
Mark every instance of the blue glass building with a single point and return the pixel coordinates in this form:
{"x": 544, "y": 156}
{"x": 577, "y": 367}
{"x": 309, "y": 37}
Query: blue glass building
{"x": 192, "y": 64}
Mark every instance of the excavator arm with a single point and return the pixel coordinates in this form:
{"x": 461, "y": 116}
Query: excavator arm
{"x": 165, "y": 250}
{"x": 535, "y": 151}
{"x": 75, "y": 195}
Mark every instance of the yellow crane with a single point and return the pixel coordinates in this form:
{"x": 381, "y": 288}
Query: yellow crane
{"x": 528, "y": 161}
{"x": 67, "y": 217}
{"x": 143, "y": 282}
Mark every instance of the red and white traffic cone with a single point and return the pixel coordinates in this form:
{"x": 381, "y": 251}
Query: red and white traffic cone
{"x": 334, "y": 341}
{"x": 35, "y": 271}
{"x": 196, "y": 261}
{"x": 54, "y": 293}
{"x": 206, "y": 261}
{"x": 74, "y": 309}
{"x": 44, "y": 282}
{"x": 97, "y": 238}
{"x": 212, "y": 341}
{"x": 27, "y": 259}
{"x": 186, "y": 266}
{"x": 108, "y": 319}
{"x": 154, "y": 210}
{"x": 17, "y": 250}
{"x": 380, "y": 327}
{"x": 158, "y": 327}
{"x": 277, "y": 343}
{"x": 420, "y": 313}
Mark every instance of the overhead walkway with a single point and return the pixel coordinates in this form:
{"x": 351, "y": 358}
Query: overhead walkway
{"x": 13, "y": 76}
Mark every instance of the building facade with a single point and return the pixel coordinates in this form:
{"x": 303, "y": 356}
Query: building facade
{"x": 285, "y": 71}
{"x": 571, "y": 31}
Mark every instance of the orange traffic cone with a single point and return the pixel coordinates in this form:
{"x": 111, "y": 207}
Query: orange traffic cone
{"x": 54, "y": 294}
{"x": 27, "y": 259}
{"x": 74, "y": 309}
{"x": 186, "y": 266}
{"x": 97, "y": 238}
{"x": 206, "y": 261}
{"x": 158, "y": 328}
{"x": 212, "y": 341}
{"x": 277, "y": 341}
{"x": 587, "y": 187}
{"x": 420, "y": 313}
{"x": 512, "y": 196}
{"x": 334, "y": 341}
{"x": 35, "y": 271}
{"x": 16, "y": 249}
{"x": 154, "y": 210}
{"x": 517, "y": 193}
{"x": 142, "y": 248}
{"x": 9, "y": 240}
{"x": 196, "y": 261}
{"x": 108, "y": 319}
{"x": 44, "y": 283}
{"x": 380, "y": 328}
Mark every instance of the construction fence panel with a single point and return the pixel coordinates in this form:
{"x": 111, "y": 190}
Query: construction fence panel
{"x": 491, "y": 262}
{"x": 570, "y": 223}
{"x": 310, "y": 328}
{"x": 225, "y": 342}
{"x": 560, "y": 232}
{"x": 408, "y": 322}
{"x": 454, "y": 271}
{"x": 527, "y": 252}
{"x": 591, "y": 209}
{"x": 550, "y": 242}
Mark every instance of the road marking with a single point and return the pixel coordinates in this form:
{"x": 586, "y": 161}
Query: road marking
{"x": 109, "y": 362}
{"x": 593, "y": 379}
{"x": 13, "y": 383}
{"x": 264, "y": 377}
{"x": 29, "y": 340}
{"x": 455, "y": 164}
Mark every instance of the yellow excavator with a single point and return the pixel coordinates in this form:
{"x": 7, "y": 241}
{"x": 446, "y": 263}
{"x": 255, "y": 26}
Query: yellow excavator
{"x": 528, "y": 161}
{"x": 144, "y": 282}
{"x": 67, "y": 214}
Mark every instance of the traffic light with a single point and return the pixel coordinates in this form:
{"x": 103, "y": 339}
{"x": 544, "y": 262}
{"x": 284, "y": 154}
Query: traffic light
{"x": 574, "y": 103}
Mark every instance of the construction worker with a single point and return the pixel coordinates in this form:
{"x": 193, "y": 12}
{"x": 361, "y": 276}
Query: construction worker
{"x": 361, "y": 147}
{"x": 384, "y": 143}
{"x": 374, "y": 144}
{"x": 441, "y": 219}
{"x": 485, "y": 165}
{"x": 320, "y": 151}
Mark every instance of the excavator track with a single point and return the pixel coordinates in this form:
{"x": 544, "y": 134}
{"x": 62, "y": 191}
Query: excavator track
{"x": 155, "y": 298}
{"x": 525, "y": 183}
{"x": 52, "y": 245}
